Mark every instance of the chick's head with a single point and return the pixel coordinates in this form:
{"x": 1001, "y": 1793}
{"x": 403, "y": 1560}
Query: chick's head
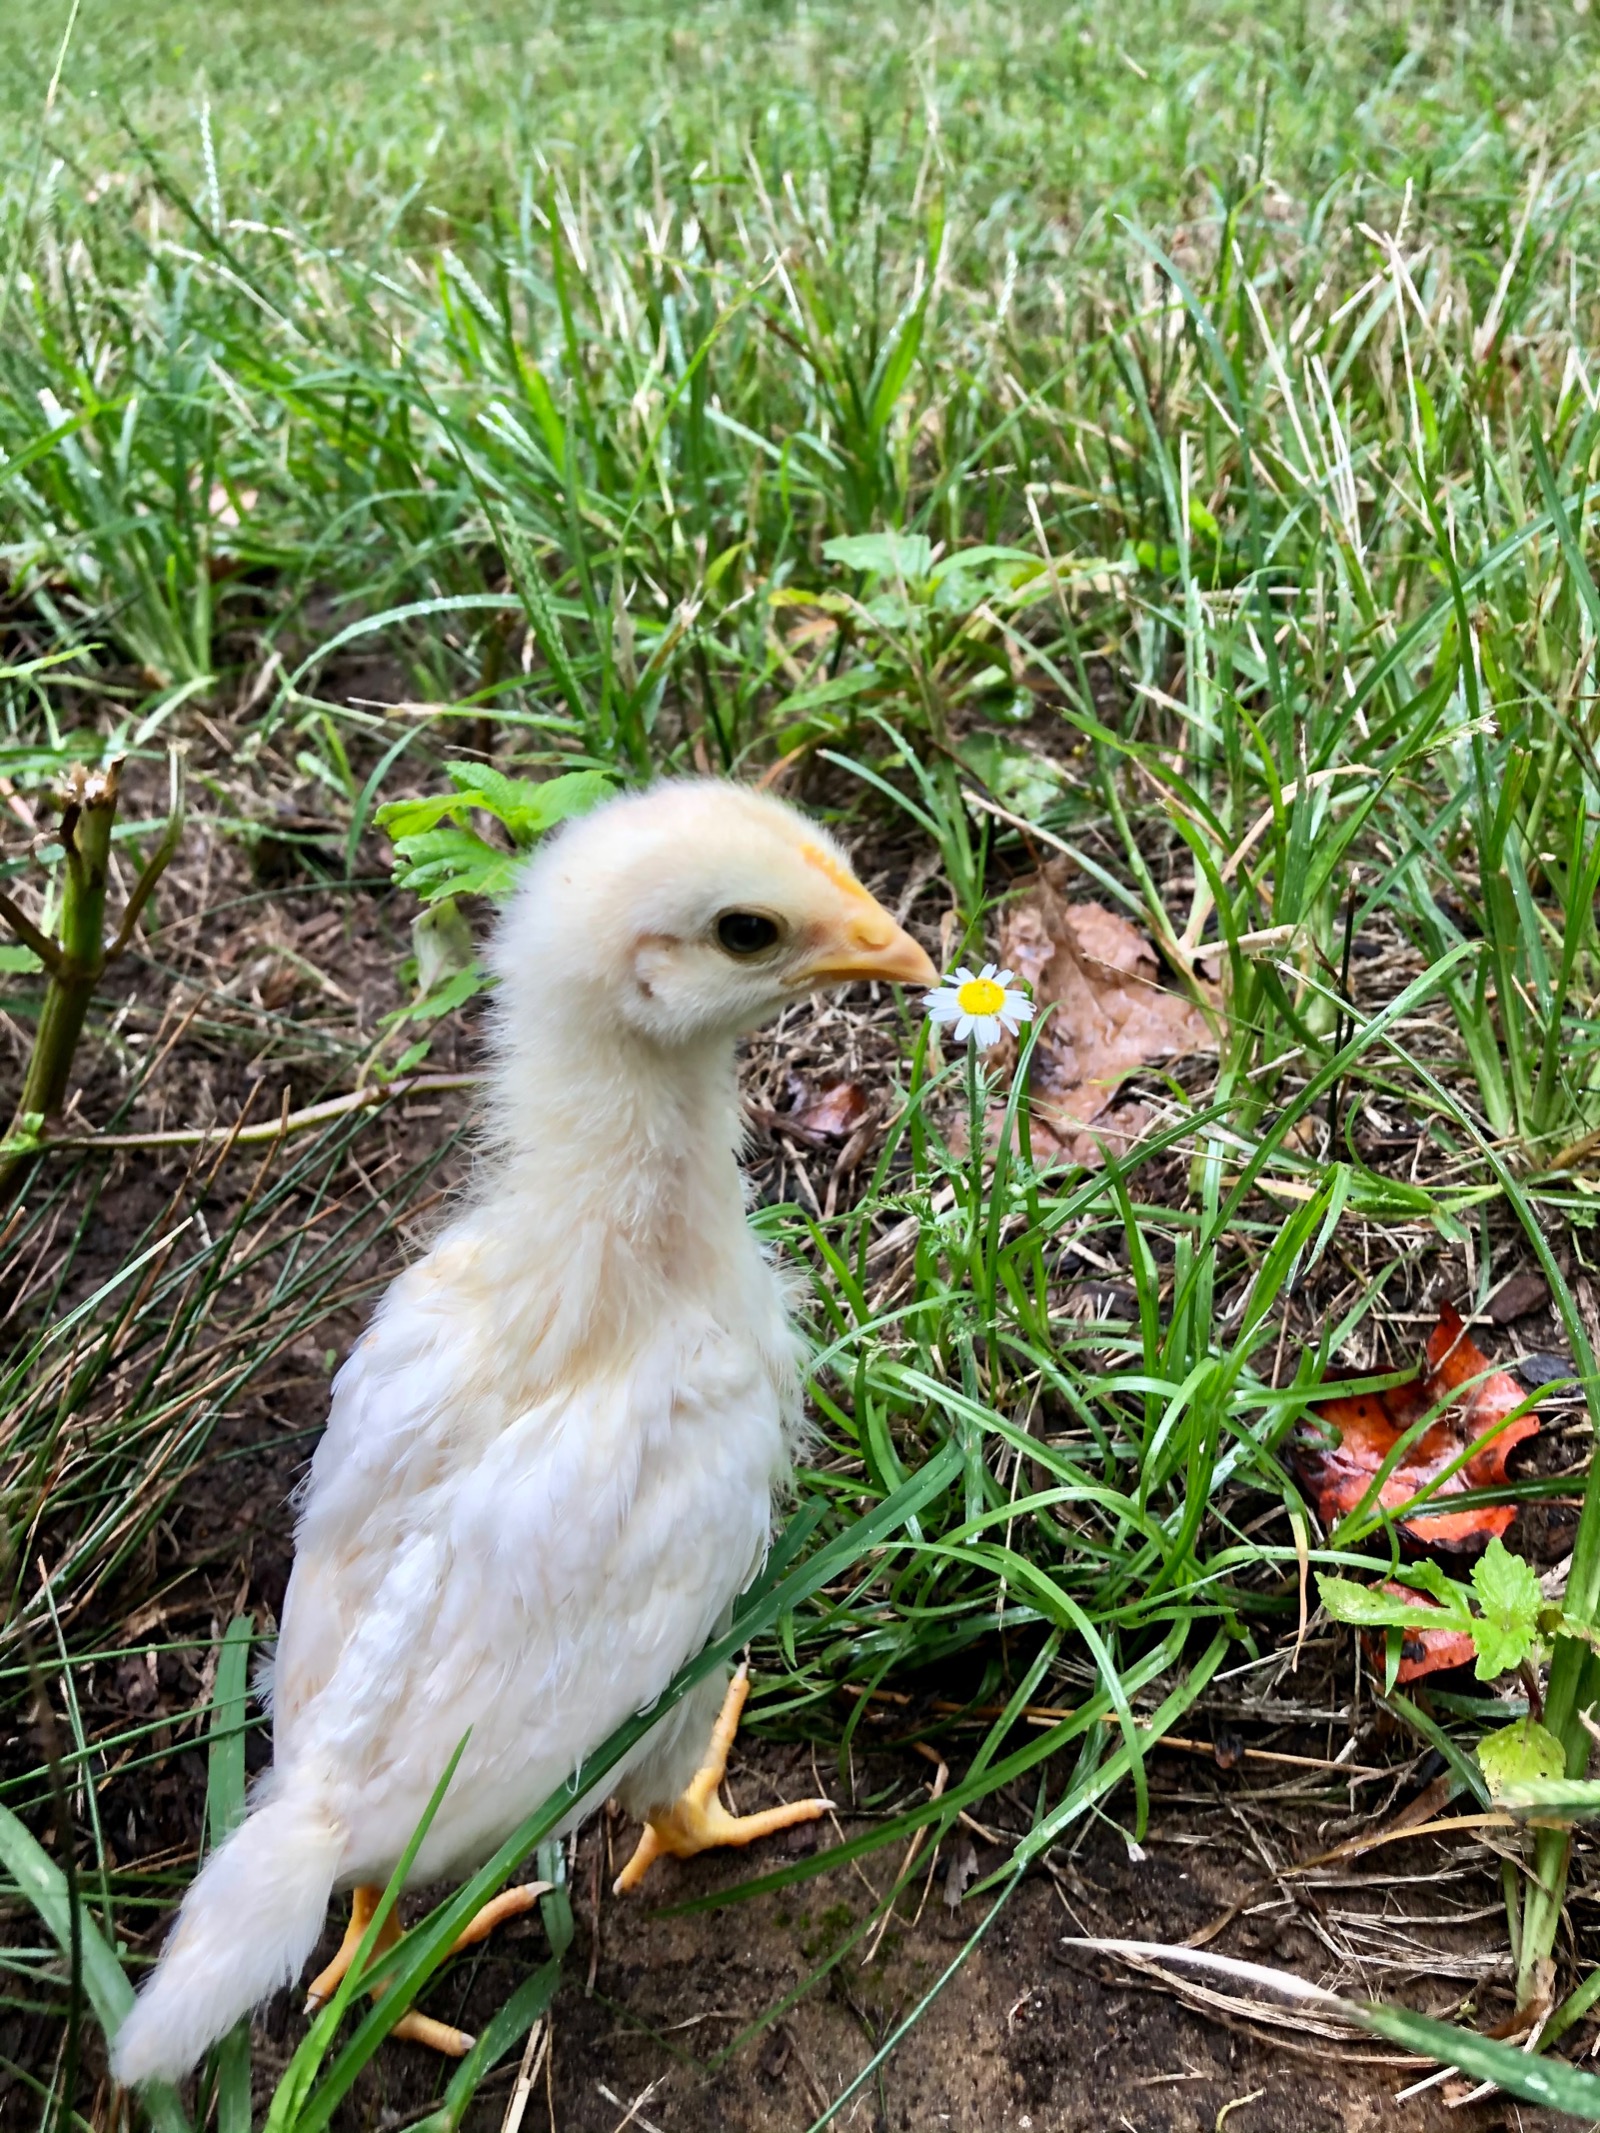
{"x": 693, "y": 911}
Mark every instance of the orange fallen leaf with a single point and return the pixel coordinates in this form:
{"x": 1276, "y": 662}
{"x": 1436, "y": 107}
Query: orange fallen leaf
{"x": 1367, "y": 1426}
{"x": 1109, "y": 1017}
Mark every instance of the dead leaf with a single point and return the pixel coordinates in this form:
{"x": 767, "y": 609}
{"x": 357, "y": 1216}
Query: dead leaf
{"x": 832, "y": 1112}
{"x": 1110, "y": 1016}
{"x": 963, "y": 1868}
{"x": 1366, "y": 1426}
{"x": 138, "y": 1684}
{"x": 1519, "y": 1297}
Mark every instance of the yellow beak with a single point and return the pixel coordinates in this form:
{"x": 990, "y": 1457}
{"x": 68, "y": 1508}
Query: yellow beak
{"x": 868, "y": 944}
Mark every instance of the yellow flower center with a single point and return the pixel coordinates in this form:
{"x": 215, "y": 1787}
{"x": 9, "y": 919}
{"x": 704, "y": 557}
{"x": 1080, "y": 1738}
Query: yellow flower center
{"x": 980, "y": 996}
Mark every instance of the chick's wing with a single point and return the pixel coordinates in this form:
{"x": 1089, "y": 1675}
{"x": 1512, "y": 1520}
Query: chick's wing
{"x": 535, "y": 1572}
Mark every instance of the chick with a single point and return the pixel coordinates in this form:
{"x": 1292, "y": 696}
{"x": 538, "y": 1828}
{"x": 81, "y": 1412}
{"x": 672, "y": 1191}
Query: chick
{"x": 549, "y": 1467}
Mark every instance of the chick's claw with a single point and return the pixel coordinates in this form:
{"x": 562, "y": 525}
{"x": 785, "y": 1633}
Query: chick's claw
{"x": 414, "y": 2028}
{"x": 698, "y": 1821}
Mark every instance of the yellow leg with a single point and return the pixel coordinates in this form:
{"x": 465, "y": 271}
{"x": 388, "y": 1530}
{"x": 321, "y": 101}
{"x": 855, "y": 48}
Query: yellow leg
{"x": 699, "y": 1820}
{"x": 412, "y": 2027}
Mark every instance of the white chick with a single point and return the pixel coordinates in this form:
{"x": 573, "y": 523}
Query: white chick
{"x": 549, "y": 1467}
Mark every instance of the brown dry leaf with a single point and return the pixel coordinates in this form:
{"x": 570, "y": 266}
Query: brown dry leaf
{"x": 1111, "y": 1016}
{"x": 818, "y": 1116}
{"x": 830, "y": 1113}
{"x": 1518, "y": 1298}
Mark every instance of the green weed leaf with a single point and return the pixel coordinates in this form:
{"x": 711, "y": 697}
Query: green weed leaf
{"x": 1371, "y": 1607}
{"x": 1519, "y": 1754}
{"x": 884, "y": 555}
{"x": 437, "y": 854}
{"x": 1509, "y": 1595}
{"x": 442, "y": 942}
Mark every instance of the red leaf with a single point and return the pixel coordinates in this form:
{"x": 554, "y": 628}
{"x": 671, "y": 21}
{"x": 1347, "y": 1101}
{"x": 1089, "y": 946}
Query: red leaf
{"x": 1339, "y": 1473}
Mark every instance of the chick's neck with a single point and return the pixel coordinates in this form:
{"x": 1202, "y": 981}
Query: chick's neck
{"x": 614, "y": 1163}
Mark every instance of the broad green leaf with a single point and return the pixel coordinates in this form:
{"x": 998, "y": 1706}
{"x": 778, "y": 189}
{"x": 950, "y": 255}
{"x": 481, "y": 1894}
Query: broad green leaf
{"x": 834, "y": 690}
{"x": 1548, "y": 2081}
{"x": 1429, "y": 1578}
{"x": 442, "y": 942}
{"x": 992, "y": 566}
{"x": 455, "y": 862}
{"x": 409, "y": 818}
{"x": 1556, "y": 1798}
{"x": 225, "y": 1758}
{"x": 554, "y": 800}
{"x": 491, "y": 789}
{"x": 446, "y": 998}
{"x": 897, "y": 368}
{"x": 17, "y": 961}
{"x": 1018, "y": 778}
{"x": 885, "y": 555}
{"x": 1370, "y": 1607}
{"x": 1509, "y": 1595}
{"x": 1519, "y": 1753}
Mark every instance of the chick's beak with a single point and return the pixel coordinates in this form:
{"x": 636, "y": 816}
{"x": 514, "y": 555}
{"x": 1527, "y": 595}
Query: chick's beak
{"x": 864, "y": 942}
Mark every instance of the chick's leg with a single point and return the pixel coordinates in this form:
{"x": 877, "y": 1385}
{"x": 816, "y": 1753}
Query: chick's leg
{"x": 698, "y": 1820}
{"x": 412, "y": 2027}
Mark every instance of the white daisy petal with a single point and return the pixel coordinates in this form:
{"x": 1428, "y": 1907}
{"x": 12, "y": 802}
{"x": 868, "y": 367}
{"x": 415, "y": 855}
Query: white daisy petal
{"x": 982, "y": 1007}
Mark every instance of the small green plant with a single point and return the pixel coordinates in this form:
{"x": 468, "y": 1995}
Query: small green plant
{"x": 1503, "y": 1609}
{"x": 1512, "y": 1627}
{"x": 437, "y": 851}
{"x": 440, "y": 856}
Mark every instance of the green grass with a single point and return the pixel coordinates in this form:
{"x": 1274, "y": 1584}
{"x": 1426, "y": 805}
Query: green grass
{"x": 1223, "y": 377}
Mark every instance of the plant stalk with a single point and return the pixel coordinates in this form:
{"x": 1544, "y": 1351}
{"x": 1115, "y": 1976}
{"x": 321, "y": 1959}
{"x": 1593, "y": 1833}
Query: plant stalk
{"x": 80, "y": 958}
{"x": 76, "y": 960}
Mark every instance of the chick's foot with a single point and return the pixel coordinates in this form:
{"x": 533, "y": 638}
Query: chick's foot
{"x": 698, "y": 1820}
{"x": 414, "y": 2028}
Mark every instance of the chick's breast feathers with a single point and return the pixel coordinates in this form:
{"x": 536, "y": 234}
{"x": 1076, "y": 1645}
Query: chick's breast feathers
{"x": 487, "y": 1543}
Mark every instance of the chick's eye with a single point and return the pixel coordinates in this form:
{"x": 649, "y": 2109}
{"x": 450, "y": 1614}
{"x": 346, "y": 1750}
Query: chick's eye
{"x": 746, "y": 932}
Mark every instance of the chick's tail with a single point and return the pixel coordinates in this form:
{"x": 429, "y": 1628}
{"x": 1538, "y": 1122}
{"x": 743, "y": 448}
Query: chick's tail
{"x": 246, "y": 1927}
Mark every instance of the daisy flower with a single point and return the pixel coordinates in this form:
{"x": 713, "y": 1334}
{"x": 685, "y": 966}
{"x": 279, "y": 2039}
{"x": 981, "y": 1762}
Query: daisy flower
{"x": 980, "y": 1007}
